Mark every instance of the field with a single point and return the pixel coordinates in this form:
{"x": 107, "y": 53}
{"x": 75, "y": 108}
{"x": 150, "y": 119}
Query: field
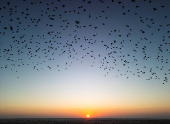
{"x": 83, "y": 121}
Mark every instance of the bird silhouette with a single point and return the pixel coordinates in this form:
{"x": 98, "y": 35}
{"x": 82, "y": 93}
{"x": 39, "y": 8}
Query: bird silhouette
{"x": 37, "y": 33}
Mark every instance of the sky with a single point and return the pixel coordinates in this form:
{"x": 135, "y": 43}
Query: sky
{"x": 73, "y": 58}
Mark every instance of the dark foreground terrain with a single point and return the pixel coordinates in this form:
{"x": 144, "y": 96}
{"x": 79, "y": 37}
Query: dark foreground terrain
{"x": 83, "y": 121}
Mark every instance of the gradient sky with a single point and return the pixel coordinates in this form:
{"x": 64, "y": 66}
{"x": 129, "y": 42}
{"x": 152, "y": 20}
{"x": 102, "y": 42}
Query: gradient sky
{"x": 72, "y": 58}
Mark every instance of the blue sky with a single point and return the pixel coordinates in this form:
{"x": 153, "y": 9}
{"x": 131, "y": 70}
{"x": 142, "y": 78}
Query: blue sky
{"x": 102, "y": 59}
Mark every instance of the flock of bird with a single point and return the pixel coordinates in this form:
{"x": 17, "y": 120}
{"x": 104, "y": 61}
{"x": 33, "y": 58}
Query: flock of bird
{"x": 36, "y": 33}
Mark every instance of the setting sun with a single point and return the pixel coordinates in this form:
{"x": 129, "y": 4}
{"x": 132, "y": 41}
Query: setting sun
{"x": 88, "y": 116}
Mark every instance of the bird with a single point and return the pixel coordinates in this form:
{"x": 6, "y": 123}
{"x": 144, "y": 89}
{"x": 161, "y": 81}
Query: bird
{"x": 42, "y": 33}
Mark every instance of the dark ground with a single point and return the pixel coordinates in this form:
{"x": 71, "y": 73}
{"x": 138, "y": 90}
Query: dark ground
{"x": 83, "y": 121}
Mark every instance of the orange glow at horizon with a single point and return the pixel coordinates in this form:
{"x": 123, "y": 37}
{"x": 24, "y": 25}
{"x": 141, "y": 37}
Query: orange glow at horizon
{"x": 44, "y": 111}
